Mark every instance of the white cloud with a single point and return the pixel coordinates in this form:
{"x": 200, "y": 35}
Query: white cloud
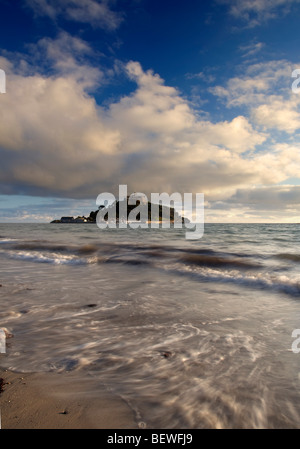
{"x": 97, "y": 13}
{"x": 278, "y": 114}
{"x": 237, "y": 135}
{"x": 51, "y": 132}
{"x": 251, "y": 49}
{"x": 256, "y": 12}
{"x": 55, "y": 140}
{"x": 67, "y": 55}
{"x": 265, "y": 89}
{"x": 258, "y": 81}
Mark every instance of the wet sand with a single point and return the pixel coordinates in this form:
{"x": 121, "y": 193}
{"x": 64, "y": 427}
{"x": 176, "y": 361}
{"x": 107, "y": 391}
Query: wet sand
{"x": 60, "y": 401}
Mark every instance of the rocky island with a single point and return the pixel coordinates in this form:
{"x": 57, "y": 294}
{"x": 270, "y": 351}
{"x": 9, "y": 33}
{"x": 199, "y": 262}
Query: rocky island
{"x": 140, "y": 212}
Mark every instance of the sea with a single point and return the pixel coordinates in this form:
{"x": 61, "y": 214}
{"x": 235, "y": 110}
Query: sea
{"x": 191, "y": 334}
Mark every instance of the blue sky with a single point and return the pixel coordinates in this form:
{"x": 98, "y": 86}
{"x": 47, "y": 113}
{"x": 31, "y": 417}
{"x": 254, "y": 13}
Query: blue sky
{"x": 164, "y": 96}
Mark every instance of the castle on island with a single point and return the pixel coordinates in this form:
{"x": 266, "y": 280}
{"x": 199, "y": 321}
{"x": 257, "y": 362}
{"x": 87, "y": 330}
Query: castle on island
{"x": 154, "y": 214}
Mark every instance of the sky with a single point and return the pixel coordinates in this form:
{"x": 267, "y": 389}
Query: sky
{"x": 161, "y": 95}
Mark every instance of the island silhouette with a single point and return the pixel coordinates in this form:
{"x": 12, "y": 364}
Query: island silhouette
{"x": 140, "y": 212}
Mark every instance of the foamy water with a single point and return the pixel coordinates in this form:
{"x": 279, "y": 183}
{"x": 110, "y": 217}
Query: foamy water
{"x": 190, "y": 334}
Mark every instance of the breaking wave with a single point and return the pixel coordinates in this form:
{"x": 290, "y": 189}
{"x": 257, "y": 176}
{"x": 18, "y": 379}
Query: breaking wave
{"x": 202, "y": 264}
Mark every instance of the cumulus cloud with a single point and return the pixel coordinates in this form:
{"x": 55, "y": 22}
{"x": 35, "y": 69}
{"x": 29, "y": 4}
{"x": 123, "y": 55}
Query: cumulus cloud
{"x": 278, "y": 114}
{"x": 51, "y": 132}
{"x": 55, "y": 140}
{"x": 257, "y": 82}
{"x": 265, "y": 89}
{"x": 67, "y": 56}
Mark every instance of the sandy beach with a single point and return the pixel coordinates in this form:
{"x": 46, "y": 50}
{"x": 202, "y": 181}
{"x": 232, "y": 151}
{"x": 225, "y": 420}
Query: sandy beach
{"x": 54, "y": 401}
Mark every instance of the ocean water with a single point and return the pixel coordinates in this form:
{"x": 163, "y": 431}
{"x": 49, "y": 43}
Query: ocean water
{"x": 190, "y": 333}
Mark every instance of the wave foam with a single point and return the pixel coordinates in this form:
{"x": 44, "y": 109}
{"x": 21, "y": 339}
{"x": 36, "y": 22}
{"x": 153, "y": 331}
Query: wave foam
{"x": 52, "y": 258}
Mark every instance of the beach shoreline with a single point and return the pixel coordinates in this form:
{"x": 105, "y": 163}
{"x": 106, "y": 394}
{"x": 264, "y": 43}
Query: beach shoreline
{"x": 141, "y": 330}
{"x": 60, "y": 401}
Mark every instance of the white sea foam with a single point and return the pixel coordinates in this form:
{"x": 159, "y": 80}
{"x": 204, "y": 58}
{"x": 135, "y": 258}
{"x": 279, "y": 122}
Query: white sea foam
{"x": 47, "y": 257}
{"x": 7, "y": 240}
{"x": 258, "y": 279}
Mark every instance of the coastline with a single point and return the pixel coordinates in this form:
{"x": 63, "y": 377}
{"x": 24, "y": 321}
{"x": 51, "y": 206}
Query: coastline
{"x": 60, "y": 401}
